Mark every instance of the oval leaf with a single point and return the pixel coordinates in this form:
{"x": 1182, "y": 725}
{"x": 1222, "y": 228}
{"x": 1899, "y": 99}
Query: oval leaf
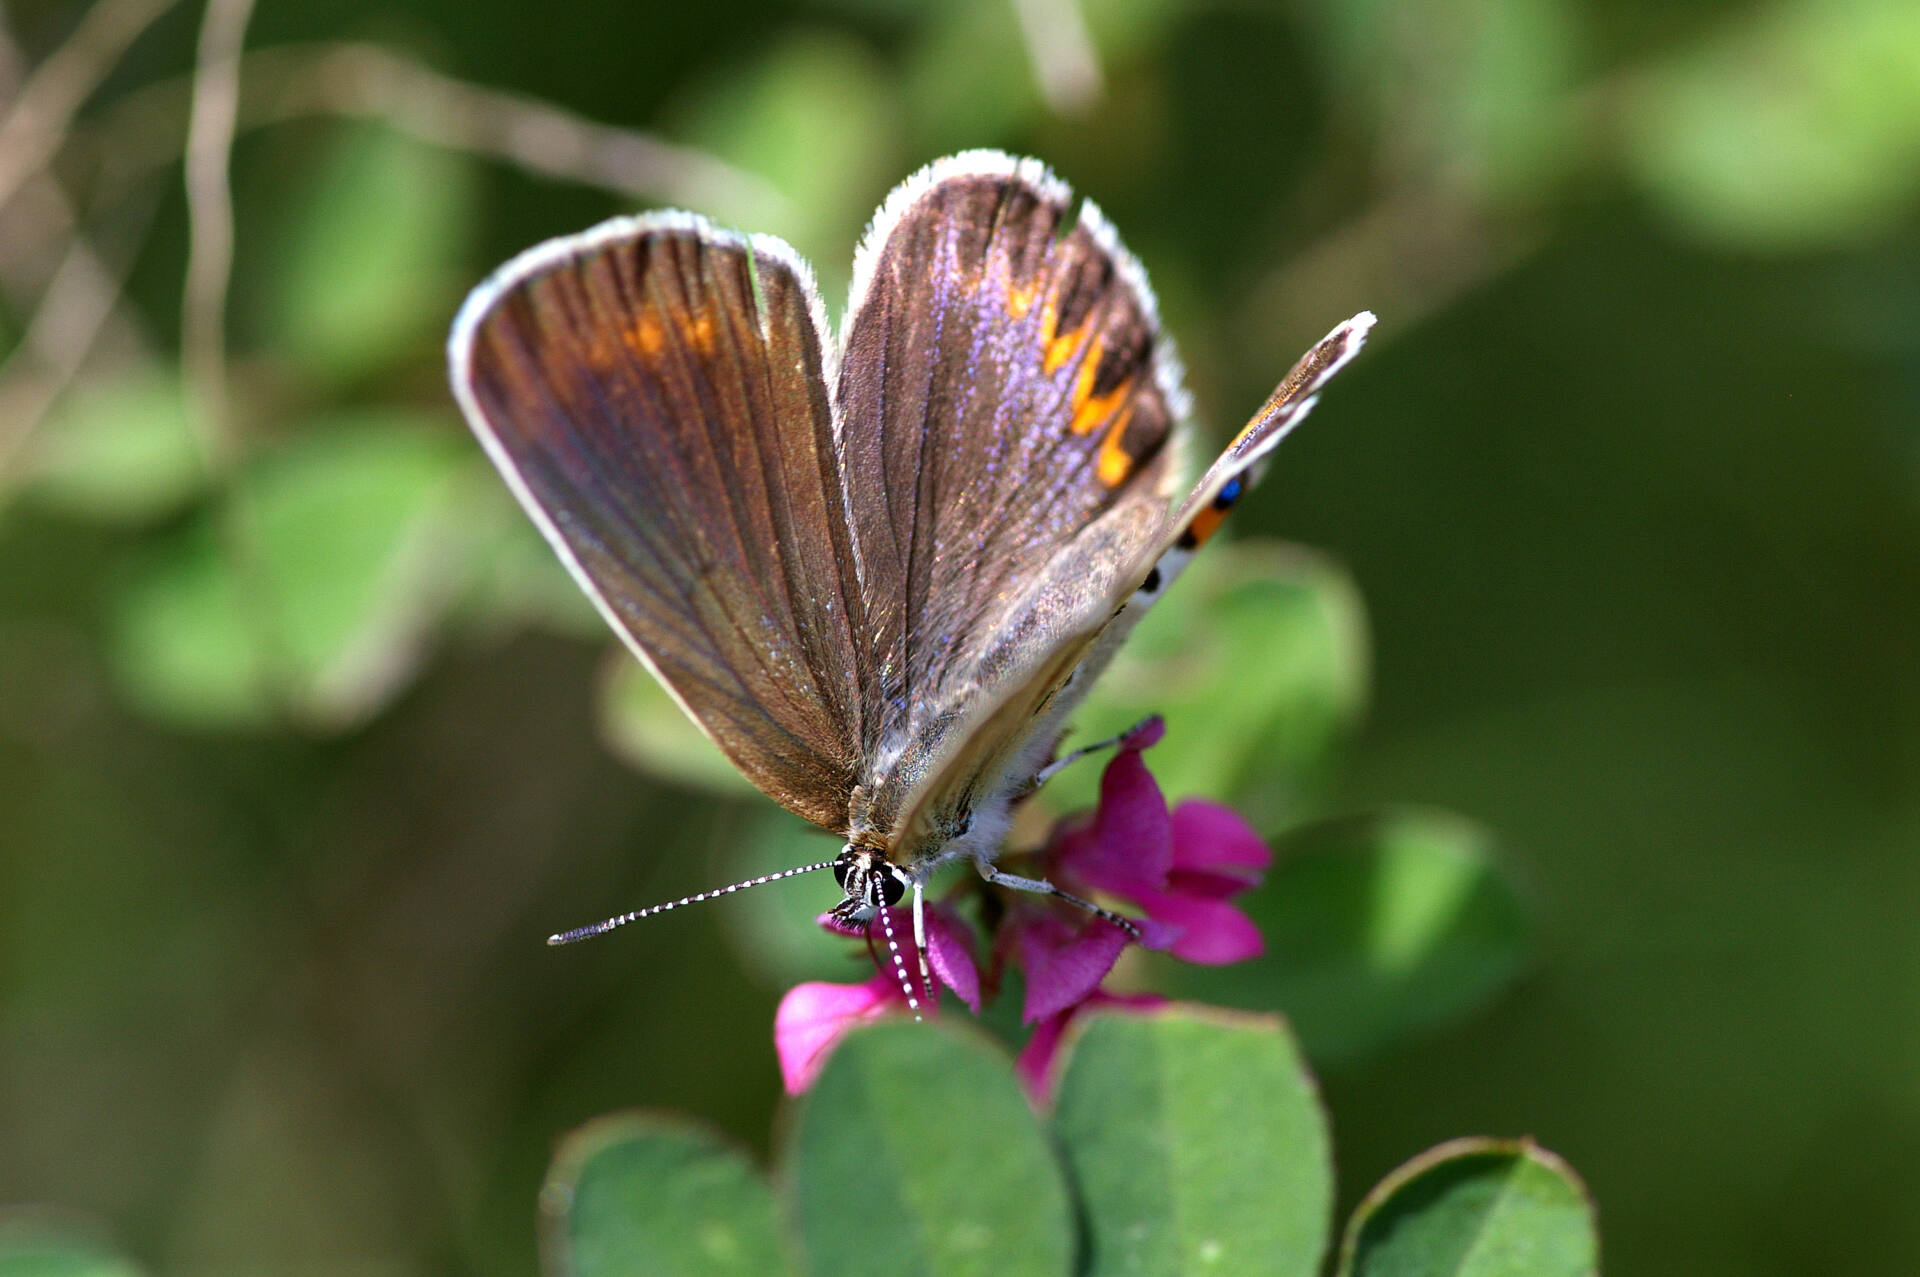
{"x": 1259, "y": 667}
{"x": 365, "y": 270}
{"x": 315, "y": 595}
{"x": 641, "y": 723}
{"x": 915, "y": 1152}
{"x": 120, "y": 449}
{"x": 636, "y": 1193}
{"x": 33, "y": 1246}
{"x": 1475, "y": 1208}
{"x": 1376, "y": 927}
{"x": 1796, "y": 126}
{"x": 1198, "y": 1144}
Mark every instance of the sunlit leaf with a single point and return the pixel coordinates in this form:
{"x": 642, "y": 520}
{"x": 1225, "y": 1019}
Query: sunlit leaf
{"x": 1375, "y": 928}
{"x": 814, "y": 117}
{"x": 640, "y": 722}
{"x": 364, "y": 275}
{"x": 1197, "y": 1143}
{"x": 308, "y": 596}
{"x": 776, "y": 928}
{"x": 118, "y": 449}
{"x": 1474, "y": 95}
{"x": 1475, "y": 1208}
{"x": 968, "y": 78}
{"x": 1257, "y": 658}
{"x": 1798, "y": 124}
{"x": 915, "y": 1152}
{"x": 32, "y": 1246}
{"x": 636, "y": 1193}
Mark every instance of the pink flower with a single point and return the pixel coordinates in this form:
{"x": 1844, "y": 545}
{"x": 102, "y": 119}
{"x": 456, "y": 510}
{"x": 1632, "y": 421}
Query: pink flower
{"x": 813, "y": 1017}
{"x": 1180, "y": 867}
{"x": 1065, "y": 964}
{"x": 1035, "y": 1063}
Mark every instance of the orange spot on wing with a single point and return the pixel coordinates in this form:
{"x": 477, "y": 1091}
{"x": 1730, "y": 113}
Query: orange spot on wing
{"x": 645, "y": 336}
{"x": 1205, "y": 524}
{"x": 1020, "y": 300}
{"x": 1115, "y": 463}
{"x": 1057, "y": 347}
{"x": 700, "y": 333}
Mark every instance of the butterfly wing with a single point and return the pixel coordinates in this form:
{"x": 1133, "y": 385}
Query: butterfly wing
{"x": 1009, "y": 435}
{"x": 1043, "y": 662}
{"x": 655, "y": 393}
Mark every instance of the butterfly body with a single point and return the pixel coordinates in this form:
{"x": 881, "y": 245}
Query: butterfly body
{"x": 877, "y": 572}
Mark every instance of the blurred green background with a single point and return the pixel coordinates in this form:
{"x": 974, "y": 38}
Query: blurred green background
{"x": 305, "y": 744}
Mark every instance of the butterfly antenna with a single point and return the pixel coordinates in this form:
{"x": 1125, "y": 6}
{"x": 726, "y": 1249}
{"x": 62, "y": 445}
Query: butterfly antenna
{"x": 899, "y": 962}
{"x": 601, "y": 928}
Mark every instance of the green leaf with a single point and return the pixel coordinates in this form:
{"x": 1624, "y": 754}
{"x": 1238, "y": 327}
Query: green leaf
{"x": 120, "y": 449}
{"x": 915, "y": 1152}
{"x": 1476, "y": 96}
{"x": 32, "y": 1246}
{"x": 1259, "y": 664}
{"x": 1796, "y": 125}
{"x": 641, "y": 722}
{"x": 815, "y": 117}
{"x": 367, "y": 268}
{"x": 775, "y": 927}
{"x": 1475, "y": 1208}
{"x": 969, "y": 79}
{"x": 312, "y": 593}
{"x": 1376, "y": 927}
{"x": 1198, "y": 1144}
{"x": 636, "y": 1193}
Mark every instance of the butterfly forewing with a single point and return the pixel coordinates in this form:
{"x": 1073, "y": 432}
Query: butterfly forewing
{"x": 1010, "y": 418}
{"x": 654, "y": 391}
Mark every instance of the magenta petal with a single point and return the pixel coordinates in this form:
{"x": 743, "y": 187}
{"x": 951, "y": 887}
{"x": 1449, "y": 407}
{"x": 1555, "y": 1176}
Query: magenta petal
{"x": 1211, "y": 836}
{"x": 1064, "y": 967}
{"x": 1210, "y": 886}
{"x": 1212, "y": 932}
{"x": 839, "y": 928}
{"x": 1159, "y": 936}
{"x": 1131, "y": 837}
{"x": 1034, "y": 1065}
{"x": 950, "y": 952}
{"x": 1145, "y": 734}
{"x": 813, "y": 1017}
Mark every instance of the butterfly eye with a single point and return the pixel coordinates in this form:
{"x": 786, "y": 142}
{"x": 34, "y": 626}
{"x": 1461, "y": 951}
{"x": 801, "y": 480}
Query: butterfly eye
{"x": 841, "y": 865}
{"x": 893, "y": 885}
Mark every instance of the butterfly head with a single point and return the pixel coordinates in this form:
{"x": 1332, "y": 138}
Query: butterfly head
{"x": 870, "y": 881}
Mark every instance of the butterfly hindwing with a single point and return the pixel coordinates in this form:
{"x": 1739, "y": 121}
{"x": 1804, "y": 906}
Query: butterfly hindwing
{"x": 655, "y": 393}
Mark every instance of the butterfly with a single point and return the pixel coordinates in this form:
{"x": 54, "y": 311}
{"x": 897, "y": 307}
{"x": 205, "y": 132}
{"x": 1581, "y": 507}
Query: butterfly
{"x": 878, "y": 571}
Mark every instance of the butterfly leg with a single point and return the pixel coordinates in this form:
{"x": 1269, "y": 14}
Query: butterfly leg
{"x": 1041, "y": 887}
{"x": 1066, "y": 760}
{"x": 920, "y": 939}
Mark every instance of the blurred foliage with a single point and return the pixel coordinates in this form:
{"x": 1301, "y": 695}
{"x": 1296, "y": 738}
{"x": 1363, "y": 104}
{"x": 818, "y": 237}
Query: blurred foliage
{"x": 306, "y": 741}
{"x": 1148, "y": 1165}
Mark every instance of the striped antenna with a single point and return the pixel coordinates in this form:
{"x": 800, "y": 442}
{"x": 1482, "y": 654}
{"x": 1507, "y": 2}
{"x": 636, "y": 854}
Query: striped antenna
{"x": 601, "y": 928}
{"x": 899, "y": 961}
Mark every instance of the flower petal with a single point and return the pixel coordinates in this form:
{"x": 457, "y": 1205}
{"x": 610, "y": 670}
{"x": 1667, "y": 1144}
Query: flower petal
{"x": 830, "y": 923}
{"x": 1130, "y": 839}
{"x": 813, "y": 1017}
{"x": 1036, "y": 1060}
{"x": 1064, "y": 966}
{"x": 1034, "y": 1064}
{"x": 1211, "y": 932}
{"x": 950, "y": 952}
{"x": 1212, "y": 836}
